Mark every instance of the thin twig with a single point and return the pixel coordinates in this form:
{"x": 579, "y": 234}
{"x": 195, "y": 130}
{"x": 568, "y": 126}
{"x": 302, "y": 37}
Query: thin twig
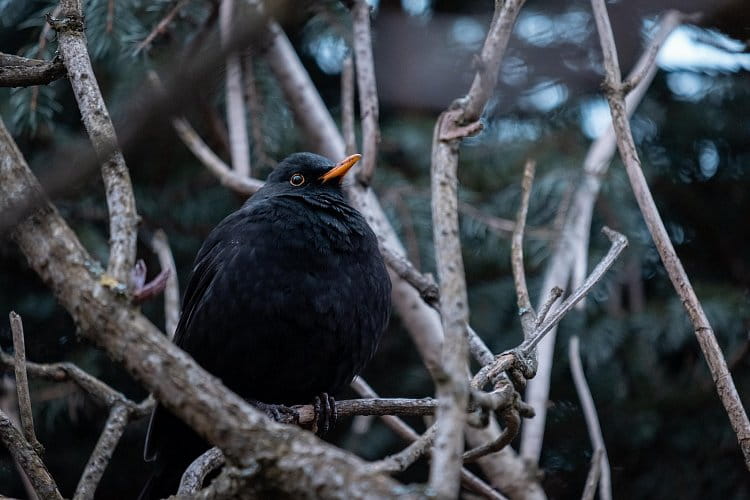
{"x": 61, "y": 372}
{"x": 195, "y": 474}
{"x": 592, "y": 479}
{"x": 619, "y": 242}
{"x": 9, "y": 406}
{"x": 17, "y": 71}
{"x": 554, "y": 294}
{"x": 423, "y": 283}
{"x": 347, "y": 105}
{"x": 702, "y": 327}
{"x": 23, "y": 453}
{"x": 160, "y": 246}
{"x": 226, "y": 176}
{"x": 525, "y": 310}
{"x": 22, "y": 383}
{"x": 512, "y": 425}
{"x": 161, "y": 27}
{"x": 589, "y": 413}
{"x": 368, "y": 93}
{"x": 235, "y": 100}
{"x": 102, "y": 454}
{"x": 402, "y": 460}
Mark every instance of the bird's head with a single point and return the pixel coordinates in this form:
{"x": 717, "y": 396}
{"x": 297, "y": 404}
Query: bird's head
{"x": 308, "y": 174}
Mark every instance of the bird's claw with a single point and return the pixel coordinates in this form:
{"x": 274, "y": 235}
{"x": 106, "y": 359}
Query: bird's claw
{"x": 280, "y": 413}
{"x": 326, "y": 414}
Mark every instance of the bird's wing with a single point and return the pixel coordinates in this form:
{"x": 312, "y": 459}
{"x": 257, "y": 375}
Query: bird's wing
{"x": 207, "y": 266}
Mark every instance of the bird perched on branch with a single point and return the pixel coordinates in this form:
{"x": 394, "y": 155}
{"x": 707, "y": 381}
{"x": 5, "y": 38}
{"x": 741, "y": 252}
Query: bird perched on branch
{"x": 287, "y": 300}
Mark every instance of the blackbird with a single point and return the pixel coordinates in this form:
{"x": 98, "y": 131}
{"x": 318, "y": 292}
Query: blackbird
{"x": 287, "y": 300}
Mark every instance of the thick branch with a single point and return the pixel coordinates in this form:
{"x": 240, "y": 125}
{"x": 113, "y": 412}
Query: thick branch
{"x": 123, "y": 219}
{"x": 195, "y": 474}
{"x": 26, "y": 457}
{"x": 17, "y": 71}
{"x": 702, "y": 328}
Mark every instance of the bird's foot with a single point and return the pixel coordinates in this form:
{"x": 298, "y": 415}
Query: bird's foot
{"x": 143, "y": 291}
{"x": 326, "y": 414}
{"x": 280, "y": 413}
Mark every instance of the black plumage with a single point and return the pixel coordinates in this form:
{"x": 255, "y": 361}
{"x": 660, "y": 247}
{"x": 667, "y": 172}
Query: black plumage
{"x": 287, "y": 299}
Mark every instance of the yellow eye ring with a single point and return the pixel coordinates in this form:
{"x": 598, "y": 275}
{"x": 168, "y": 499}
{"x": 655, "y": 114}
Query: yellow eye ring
{"x": 297, "y": 179}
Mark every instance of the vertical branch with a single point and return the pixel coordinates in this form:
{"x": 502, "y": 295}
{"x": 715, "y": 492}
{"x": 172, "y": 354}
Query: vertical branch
{"x": 525, "y": 310}
{"x": 574, "y": 236}
{"x": 235, "y": 100}
{"x": 255, "y": 106}
{"x": 22, "y": 383}
{"x": 102, "y": 454}
{"x": 160, "y": 246}
{"x": 592, "y": 419}
{"x": 452, "y": 385}
{"x": 368, "y": 93}
{"x": 123, "y": 219}
{"x": 702, "y": 328}
{"x": 347, "y": 105}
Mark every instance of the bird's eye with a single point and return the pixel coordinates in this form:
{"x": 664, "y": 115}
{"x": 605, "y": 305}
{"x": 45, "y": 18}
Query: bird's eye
{"x": 297, "y": 180}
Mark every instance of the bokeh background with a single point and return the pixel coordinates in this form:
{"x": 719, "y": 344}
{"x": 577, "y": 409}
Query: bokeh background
{"x": 666, "y": 432}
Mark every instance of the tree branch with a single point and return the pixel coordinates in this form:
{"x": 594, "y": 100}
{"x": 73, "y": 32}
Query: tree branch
{"x": 22, "y": 383}
{"x": 702, "y": 328}
{"x": 160, "y": 246}
{"x": 368, "y": 93}
{"x": 23, "y": 453}
{"x": 574, "y": 237}
{"x": 195, "y": 474}
{"x": 592, "y": 419}
{"x": 17, "y": 71}
{"x": 235, "y": 100}
{"x": 102, "y": 454}
{"x": 525, "y": 310}
{"x": 123, "y": 217}
{"x": 347, "y": 105}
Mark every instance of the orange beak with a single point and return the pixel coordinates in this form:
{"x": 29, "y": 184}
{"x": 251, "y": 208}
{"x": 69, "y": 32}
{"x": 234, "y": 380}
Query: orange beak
{"x": 341, "y": 168}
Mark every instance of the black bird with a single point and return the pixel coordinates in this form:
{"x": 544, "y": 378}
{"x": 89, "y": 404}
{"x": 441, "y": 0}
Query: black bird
{"x": 287, "y": 300}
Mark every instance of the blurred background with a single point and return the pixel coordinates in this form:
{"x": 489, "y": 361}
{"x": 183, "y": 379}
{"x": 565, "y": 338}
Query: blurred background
{"x": 666, "y": 432}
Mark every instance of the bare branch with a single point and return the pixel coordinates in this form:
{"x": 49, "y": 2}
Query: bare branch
{"x": 22, "y": 383}
{"x": 24, "y": 454}
{"x": 235, "y": 100}
{"x": 195, "y": 474}
{"x": 592, "y": 419}
{"x": 423, "y": 283}
{"x": 401, "y": 461}
{"x": 347, "y": 105}
{"x": 492, "y": 54}
{"x": 573, "y": 243}
{"x": 554, "y": 294}
{"x": 227, "y": 177}
{"x": 592, "y": 479}
{"x": 478, "y": 348}
{"x": 702, "y": 328}
{"x": 62, "y": 372}
{"x": 17, "y": 71}
{"x": 619, "y": 242}
{"x": 368, "y": 93}
{"x": 512, "y": 425}
{"x": 160, "y": 246}
{"x": 452, "y": 386}
{"x": 8, "y": 404}
{"x": 123, "y": 218}
{"x": 525, "y": 310}
{"x": 161, "y": 27}
{"x": 102, "y": 454}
